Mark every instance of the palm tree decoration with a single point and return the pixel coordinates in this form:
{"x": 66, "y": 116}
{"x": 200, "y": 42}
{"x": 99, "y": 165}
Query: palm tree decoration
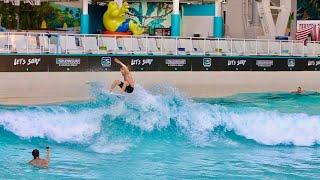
{"x": 315, "y": 3}
{"x": 308, "y": 9}
{"x": 31, "y": 17}
{"x": 150, "y": 15}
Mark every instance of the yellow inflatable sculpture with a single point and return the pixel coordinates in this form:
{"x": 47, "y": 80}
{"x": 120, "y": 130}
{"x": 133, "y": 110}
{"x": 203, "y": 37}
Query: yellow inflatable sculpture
{"x": 114, "y": 19}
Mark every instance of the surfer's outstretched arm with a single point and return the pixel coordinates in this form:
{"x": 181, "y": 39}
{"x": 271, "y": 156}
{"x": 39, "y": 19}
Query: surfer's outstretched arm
{"x": 121, "y": 64}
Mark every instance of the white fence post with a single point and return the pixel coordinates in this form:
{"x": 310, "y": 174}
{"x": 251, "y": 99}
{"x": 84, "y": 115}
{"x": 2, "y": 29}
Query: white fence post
{"x": 291, "y": 50}
{"x": 176, "y": 45}
{"x": 146, "y": 43}
{"x": 27, "y": 39}
{"x": 231, "y": 47}
{"x": 204, "y": 46}
{"x": 244, "y": 47}
{"x": 98, "y": 41}
{"x": 256, "y": 47}
{"x": 219, "y": 48}
{"x": 161, "y": 44}
{"x": 268, "y": 47}
{"x": 80, "y": 41}
{"x": 131, "y": 44}
{"x": 280, "y": 48}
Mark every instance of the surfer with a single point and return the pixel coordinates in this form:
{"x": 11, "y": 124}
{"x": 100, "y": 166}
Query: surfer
{"x": 37, "y": 161}
{"x": 128, "y": 84}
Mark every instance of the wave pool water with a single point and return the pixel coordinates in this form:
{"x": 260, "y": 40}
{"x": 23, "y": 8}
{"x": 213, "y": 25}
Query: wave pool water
{"x": 158, "y": 133}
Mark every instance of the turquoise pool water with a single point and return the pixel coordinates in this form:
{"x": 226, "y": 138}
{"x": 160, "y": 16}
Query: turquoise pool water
{"x": 161, "y": 134}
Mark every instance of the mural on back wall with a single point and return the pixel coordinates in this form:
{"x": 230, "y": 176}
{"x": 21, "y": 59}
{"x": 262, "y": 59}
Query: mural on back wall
{"x": 47, "y": 16}
{"x": 308, "y": 10}
{"x": 55, "y": 16}
{"x": 63, "y": 17}
{"x": 151, "y": 15}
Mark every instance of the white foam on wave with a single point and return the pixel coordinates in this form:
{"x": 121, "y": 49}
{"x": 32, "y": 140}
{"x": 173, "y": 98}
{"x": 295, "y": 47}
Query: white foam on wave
{"x": 150, "y": 112}
{"x": 58, "y": 124}
{"x": 198, "y": 120}
{"x": 273, "y": 128}
{"x": 146, "y": 111}
{"x": 61, "y": 125}
{"x": 103, "y": 145}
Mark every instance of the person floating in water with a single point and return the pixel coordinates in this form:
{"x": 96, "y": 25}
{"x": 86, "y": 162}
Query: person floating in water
{"x": 298, "y": 91}
{"x": 44, "y": 163}
{"x": 128, "y": 84}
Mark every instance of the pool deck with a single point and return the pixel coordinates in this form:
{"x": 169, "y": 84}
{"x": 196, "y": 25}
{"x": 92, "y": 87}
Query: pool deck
{"x": 50, "y": 87}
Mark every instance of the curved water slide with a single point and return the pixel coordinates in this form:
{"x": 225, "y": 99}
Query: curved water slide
{"x": 274, "y": 26}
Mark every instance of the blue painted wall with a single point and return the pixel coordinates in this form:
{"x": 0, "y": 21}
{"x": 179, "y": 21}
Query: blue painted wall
{"x": 199, "y": 10}
{"x": 218, "y": 27}
{"x": 84, "y": 26}
{"x": 208, "y": 10}
{"x": 175, "y": 25}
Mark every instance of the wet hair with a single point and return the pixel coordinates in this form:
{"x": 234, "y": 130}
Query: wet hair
{"x": 35, "y": 153}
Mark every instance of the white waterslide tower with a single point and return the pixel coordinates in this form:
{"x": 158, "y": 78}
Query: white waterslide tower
{"x": 274, "y": 16}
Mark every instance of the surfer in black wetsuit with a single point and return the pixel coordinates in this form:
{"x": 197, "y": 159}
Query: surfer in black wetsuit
{"x": 128, "y": 84}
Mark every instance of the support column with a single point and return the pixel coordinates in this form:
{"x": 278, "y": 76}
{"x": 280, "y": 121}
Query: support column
{"x": 218, "y": 20}
{"x": 84, "y": 26}
{"x": 175, "y": 19}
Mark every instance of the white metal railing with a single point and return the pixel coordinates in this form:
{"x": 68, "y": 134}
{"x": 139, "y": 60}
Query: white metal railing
{"x": 63, "y": 43}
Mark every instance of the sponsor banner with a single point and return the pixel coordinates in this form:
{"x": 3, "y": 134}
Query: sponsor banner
{"x": 313, "y": 65}
{"x": 279, "y": 64}
{"x": 23, "y": 63}
{"x": 54, "y": 63}
{"x": 69, "y": 63}
{"x": 107, "y": 63}
{"x": 144, "y": 63}
{"x": 175, "y": 64}
{"x": 264, "y": 65}
{"x": 100, "y": 63}
{"x": 234, "y": 64}
{"x": 203, "y": 64}
{"x": 293, "y": 64}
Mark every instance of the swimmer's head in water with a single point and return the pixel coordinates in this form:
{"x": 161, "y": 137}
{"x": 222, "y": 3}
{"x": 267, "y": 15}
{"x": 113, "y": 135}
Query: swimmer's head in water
{"x": 35, "y": 153}
{"x": 299, "y": 89}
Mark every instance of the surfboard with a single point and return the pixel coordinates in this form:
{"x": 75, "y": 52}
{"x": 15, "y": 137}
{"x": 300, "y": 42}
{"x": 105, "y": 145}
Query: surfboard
{"x": 116, "y": 94}
{"x": 90, "y": 82}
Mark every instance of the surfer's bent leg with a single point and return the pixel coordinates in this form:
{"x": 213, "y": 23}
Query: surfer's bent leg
{"x": 114, "y": 84}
